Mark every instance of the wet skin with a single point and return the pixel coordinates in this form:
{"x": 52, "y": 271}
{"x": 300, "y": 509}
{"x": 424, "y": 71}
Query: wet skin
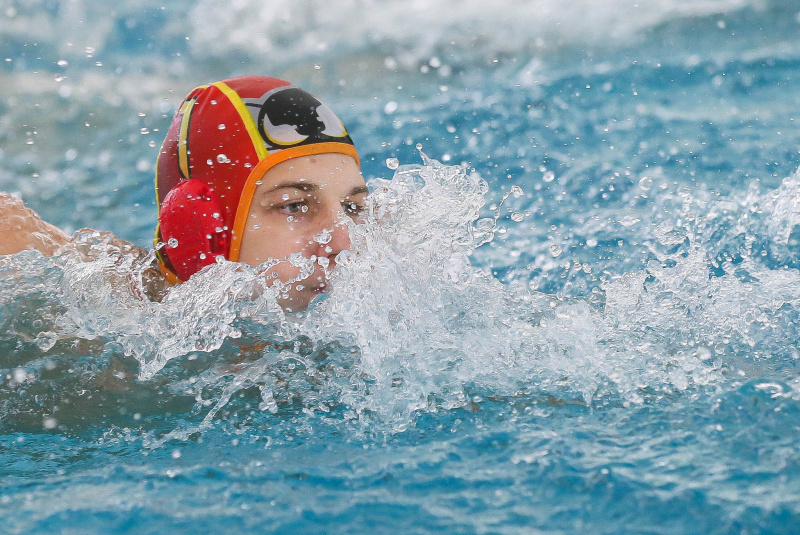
{"x": 301, "y": 207}
{"x": 21, "y": 228}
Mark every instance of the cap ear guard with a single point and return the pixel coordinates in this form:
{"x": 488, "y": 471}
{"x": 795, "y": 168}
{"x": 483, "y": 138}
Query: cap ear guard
{"x": 191, "y": 216}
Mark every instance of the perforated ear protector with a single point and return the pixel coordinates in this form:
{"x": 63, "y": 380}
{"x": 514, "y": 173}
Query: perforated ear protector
{"x": 192, "y": 227}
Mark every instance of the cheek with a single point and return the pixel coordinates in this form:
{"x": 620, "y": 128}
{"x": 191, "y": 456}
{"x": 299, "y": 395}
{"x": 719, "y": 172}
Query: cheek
{"x": 277, "y": 241}
{"x": 283, "y": 272}
{"x": 287, "y": 238}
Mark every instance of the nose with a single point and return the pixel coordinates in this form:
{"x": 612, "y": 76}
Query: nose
{"x": 333, "y": 237}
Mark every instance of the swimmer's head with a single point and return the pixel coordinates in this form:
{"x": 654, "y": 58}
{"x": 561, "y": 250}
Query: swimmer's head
{"x": 224, "y": 139}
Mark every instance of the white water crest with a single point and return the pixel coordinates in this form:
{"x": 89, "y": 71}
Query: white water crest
{"x": 418, "y": 29}
{"x": 410, "y": 324}
{"x": 288, "y": 30}
{"x": 428, "y": 331}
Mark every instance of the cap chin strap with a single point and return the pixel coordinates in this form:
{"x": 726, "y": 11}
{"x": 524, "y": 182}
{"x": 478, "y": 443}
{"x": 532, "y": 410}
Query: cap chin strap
{"x": 192, "y": 227}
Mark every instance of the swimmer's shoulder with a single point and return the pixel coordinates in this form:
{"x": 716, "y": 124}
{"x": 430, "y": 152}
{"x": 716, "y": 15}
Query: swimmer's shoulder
{"x": 22, "y": 229}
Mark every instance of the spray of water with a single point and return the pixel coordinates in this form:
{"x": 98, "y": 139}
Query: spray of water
{"x": 410, "y": 325}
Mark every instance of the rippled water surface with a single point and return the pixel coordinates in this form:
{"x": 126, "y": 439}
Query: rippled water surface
{"x": 573, "y": 308}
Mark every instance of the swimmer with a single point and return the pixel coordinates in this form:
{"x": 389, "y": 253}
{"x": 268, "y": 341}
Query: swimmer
{"x": 253, "y": 170}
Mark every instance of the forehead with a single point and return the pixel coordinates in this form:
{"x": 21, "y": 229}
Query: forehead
{"x": 328, "y": 170}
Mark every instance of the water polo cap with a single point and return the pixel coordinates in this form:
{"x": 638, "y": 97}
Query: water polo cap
{"x": 222, "y": 140}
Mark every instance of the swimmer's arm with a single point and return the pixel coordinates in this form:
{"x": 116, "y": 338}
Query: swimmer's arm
{"x": 22, "y": 229}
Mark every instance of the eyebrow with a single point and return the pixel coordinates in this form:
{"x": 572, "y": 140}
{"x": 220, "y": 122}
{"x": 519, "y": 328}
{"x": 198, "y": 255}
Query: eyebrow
{"x": 358, "y": 191}
{"x": 305, "y": 186}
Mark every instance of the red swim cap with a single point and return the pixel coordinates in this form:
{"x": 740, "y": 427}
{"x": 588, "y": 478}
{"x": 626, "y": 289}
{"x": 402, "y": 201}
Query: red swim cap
{"x": 222, "y": 140}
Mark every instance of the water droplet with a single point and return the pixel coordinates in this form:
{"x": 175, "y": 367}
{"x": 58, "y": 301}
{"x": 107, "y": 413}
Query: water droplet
{"x": 62, "y": 63}
{"x": 221, "y": 126}
{"x": 392, "y": 163}
{"x": 221, "y": 158}
{"x": 629, "y": 221}
{"x": 516, "y": 191}
{"x": 323, "y": 237}
{"x": 646, "y": 182}
{"x": 549, "y": 176}
{"x": 172, "y": 243}
{"x": 20, "y": 375}
{"x": 703, "y": 353}
{"x": 390, "y": 107}
{"x": 555, "y": 249}
{"x": 176, "y": 454}
{"x": 49, "y": 423}
{"x": 517, "y": 217}
{"x": 419, "y": 146}
{"x": 46, "y": 340}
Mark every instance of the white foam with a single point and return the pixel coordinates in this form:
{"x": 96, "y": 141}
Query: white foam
{"x": 412, "y": 326}
{"x": 413, "y": 32}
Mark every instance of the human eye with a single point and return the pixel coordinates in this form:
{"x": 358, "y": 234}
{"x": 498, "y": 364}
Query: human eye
{"x": 353, "y": 208}
{"x": 293, "y": 203}
{"x": 296, "y": 207}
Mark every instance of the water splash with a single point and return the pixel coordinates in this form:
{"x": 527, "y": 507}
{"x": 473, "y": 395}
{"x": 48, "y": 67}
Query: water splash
{"x": 411, "y": 325}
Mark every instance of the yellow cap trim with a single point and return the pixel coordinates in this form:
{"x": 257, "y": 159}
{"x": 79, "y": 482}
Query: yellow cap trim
{"x": 183, "y": 137}
{"x": 247, "y": 119}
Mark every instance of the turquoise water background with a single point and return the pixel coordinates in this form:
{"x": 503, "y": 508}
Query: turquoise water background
{"x": 621, "y": 356}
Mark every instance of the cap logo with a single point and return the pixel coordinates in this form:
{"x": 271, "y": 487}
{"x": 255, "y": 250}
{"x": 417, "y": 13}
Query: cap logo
{"x": 289, "y": 117}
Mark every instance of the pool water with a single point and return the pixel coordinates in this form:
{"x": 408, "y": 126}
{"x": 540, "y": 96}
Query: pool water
{"x": 574, "y": 308}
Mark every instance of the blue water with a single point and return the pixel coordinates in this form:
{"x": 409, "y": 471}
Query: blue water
{"x": 584, "y": 319}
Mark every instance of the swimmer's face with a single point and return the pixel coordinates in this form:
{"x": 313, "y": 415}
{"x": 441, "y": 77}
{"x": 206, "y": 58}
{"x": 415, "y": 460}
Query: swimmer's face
{"x": 302, "y": 206}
